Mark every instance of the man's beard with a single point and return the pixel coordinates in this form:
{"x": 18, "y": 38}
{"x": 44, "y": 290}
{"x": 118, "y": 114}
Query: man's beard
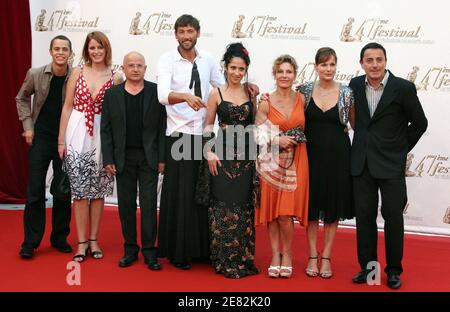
{"x": 192, "y": 45}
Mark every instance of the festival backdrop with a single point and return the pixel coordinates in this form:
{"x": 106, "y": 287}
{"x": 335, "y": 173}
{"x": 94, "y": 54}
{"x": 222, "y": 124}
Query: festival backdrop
{"x": 414, "y": 33}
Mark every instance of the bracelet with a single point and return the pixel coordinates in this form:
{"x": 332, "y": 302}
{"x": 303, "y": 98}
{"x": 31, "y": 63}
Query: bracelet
{"x": 61, "y": 143}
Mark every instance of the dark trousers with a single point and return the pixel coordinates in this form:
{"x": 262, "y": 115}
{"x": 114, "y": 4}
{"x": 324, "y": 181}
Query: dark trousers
{"x": 40, "y": 154}
{"x": 137, "y": 171}
{"x": 393, "y": 201}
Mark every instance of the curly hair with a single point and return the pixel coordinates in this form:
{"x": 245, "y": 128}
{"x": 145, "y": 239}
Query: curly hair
{"x": 236, "y": 49}
{"x": 285, "y": 58}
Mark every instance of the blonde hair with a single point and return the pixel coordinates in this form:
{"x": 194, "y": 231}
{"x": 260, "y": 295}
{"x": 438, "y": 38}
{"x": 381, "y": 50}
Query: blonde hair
{"x": 285, "y": 58}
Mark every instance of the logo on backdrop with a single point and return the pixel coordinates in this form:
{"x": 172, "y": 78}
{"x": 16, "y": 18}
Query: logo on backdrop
{"x": 408, "y": 172}
{"x": 435, "y": 166}
{"x": 433, "y": 78}
{"x": 306, "y": 73}
{"x": 446, "y": 218}
{"x": 237, "y": 28}
{"x": 39, "y": 26}
{"x": 134, "y": 27}
{"x": 381, "y": 30}
{"x": 158, "y": 23}
{"x": 269, "y": 27}
{"x": 64, "y": 20}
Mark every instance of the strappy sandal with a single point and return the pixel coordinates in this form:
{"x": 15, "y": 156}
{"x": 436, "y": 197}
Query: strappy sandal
{"x": 311, "y": 272}
{"x": 273, "y": 271}
{"x": 326, "y": 274}
{"x": 82, "y": 257}
{"x": 97, "y": 254}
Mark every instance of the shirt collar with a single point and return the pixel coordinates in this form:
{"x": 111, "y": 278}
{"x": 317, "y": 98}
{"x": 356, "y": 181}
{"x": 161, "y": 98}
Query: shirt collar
{"x": 178, "y": 56}
{"x": 48, "y": 69}
{"x": 383, "y": 82}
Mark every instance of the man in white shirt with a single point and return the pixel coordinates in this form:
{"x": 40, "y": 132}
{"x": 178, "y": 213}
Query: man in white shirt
{"x": 184, "y": 78}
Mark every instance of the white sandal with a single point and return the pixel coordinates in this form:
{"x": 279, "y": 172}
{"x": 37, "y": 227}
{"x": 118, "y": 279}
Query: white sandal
{"x": 285, "y": 271}
{"x": 274, "y": 271}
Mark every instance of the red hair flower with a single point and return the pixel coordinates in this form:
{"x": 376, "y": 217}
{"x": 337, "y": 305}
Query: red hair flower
{"x": 245, "y": 51}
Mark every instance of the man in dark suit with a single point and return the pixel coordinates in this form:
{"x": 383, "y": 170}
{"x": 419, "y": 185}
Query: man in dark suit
{"x": 389, "y": 121}
{"x": 132, "y": 138}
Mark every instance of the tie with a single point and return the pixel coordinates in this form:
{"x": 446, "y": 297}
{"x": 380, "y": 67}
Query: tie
{"x": 195, "y": 81}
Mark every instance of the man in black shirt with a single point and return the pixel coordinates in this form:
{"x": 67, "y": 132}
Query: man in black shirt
{"x": 41, "y": 126}
{"x": 132, "y": 136}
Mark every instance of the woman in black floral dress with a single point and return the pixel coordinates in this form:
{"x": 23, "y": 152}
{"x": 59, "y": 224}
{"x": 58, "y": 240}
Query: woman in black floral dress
{"x": 231, "y": 213}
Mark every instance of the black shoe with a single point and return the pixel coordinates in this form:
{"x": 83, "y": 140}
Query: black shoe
{"x": 127, "y": 260}
{"x": 394, "y": 281}
{"x": 63, "y": 247}
{"x": 182, "y": 265}
{"x": 360, "y": 277}
{"x": 80, "y": 257}
{"x": 96, "y": 254}
{"x": 26, "y": 252}
{"x": 153, "y": 264}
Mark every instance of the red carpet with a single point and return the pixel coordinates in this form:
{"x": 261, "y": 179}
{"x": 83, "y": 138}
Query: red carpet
{"x": 425, "y": 265}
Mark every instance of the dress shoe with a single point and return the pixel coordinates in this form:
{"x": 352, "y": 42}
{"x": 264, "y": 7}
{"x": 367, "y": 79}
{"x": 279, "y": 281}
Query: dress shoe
{"x": 361, "y": 277}
{"x": 182, "y": 265}
{"x": 153, "y": 264}
{"x": 127, "y": 260}
{"x": 63, "y": 247}
{"x": 26, "y": 252}
{"x": 394, "y": 281}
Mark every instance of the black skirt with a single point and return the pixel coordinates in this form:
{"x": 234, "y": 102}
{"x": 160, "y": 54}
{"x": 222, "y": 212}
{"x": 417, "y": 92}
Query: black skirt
{"x": 183, "y": 225}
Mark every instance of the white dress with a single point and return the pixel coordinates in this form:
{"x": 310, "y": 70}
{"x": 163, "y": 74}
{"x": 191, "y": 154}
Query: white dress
{"x": 88, "y": 179}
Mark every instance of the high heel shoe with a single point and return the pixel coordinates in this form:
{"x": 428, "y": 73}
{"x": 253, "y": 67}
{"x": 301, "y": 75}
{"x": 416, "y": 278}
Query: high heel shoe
{"x": 325, "y": 274}
{"x": 274, "y": 271}
{"x": 286, "y": 271}
{"x": 81, "y": 257}
{"x": 311, "y": 272}
{"x": 97, "y": 254}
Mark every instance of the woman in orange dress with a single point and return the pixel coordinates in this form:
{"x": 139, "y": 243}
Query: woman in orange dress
{"x": 282, "y": 165}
